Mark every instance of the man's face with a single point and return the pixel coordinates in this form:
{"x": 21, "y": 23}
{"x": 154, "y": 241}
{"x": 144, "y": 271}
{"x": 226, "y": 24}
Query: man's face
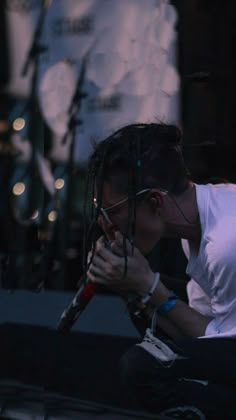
{"x": 114, "y": 217}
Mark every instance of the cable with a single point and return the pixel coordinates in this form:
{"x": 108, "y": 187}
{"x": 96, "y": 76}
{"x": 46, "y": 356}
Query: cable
{"x": 181, "y": 211}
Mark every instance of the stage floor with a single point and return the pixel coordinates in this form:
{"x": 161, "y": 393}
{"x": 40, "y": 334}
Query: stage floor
{"x": 44, "y": 375}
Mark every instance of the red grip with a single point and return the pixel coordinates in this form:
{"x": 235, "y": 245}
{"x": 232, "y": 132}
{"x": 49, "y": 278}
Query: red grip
{"x": 89, "y": 291}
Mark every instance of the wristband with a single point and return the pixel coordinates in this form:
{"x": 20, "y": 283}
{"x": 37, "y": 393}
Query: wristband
{"x": 165, "y": 307}
{"x": 145, "y": 299}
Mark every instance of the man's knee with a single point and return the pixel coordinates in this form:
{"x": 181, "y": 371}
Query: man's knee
{"x": 135, "y": 366}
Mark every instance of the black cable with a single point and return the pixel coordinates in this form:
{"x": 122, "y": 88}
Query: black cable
{"x": 181, "y": 211}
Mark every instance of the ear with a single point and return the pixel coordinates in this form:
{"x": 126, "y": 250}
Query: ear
{"x": 154, "y": 202}
{"x": 155, "y": 198}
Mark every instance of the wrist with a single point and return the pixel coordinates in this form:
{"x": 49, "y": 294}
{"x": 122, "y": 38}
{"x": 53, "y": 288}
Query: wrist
{"x": 145, "y": 298}
{"x": 140, "y": 301}
{"x": 160, "y": 295}
{"x": 169, "y": 304}
{"x": 145, "y": 283}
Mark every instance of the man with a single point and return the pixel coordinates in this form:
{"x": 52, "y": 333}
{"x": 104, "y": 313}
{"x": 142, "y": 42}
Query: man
{"x": 142, "y": 193}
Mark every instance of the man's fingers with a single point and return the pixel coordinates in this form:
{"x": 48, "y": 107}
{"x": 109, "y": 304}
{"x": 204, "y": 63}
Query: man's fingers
{"x": 118, "y": 243}
{"x": 117, "y": 249}
{"x": 103, "y": 250}
{"x": 96, "y": 279}
{"x": 106, "y": 268}
{"x": 98, "y": 262}
{"x": 89, "y": 256}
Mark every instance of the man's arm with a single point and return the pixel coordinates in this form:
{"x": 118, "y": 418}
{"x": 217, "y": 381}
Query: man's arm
{"x": 181, "y": 320}
{"x": 163, "y": 327}
{"x": 107, "y": 268}
{"x": 168, "y": 324}
{"x": 143, "y": 321}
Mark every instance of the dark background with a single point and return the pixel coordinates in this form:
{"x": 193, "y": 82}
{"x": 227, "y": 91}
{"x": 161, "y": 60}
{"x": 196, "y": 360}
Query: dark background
{"x": 86, "y": 365}
{"x": 207, "y": 63}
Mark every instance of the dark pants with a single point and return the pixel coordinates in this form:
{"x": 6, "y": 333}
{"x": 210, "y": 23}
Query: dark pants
{"x": 160, "y": 386}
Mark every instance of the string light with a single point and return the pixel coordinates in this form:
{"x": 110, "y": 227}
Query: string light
{"x": 4, "y": 126}
{"x": 18, "y": 124}
{"x": 35, "y": 215}
{"x": 18, "y": 188}
{"x": 52, "y": 216}
{"x": 59, "y": 183}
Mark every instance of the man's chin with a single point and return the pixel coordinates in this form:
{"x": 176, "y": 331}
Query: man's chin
{"x": 146, "y": 251}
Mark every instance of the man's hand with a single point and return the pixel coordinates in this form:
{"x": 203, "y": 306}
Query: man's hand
{"x": 108, "y": 265}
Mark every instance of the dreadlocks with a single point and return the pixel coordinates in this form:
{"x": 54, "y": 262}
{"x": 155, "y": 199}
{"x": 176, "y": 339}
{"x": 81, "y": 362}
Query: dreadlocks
{"x": 136, "y": 157}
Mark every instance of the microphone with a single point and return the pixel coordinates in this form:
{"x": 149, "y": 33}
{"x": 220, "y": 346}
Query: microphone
{"x": 76, "y": 307}
{"x": 78, "y": 304}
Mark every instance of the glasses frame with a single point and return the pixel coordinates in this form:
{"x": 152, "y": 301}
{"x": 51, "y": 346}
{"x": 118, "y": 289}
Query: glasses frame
{"x": 120, "y": 202}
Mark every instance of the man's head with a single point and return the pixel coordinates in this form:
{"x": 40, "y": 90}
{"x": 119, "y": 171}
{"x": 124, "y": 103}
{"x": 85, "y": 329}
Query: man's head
{"x": 137, "y": 163}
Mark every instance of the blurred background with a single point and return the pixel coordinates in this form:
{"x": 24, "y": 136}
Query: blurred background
{"x": 71, "y": 73}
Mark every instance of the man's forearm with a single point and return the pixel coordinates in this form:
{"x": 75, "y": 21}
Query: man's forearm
{"x": 181, "y": 321}
{"x": 184, "y": 320}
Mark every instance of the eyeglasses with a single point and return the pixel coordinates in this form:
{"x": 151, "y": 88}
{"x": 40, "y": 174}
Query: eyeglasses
{"x": 120, "y": 202}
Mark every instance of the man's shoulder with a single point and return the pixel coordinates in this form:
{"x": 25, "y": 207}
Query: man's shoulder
{"x": 223, "y": 198}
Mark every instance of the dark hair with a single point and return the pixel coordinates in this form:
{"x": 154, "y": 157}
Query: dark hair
{"x": 152, "y": 151}
{"x": 136, "y": 157}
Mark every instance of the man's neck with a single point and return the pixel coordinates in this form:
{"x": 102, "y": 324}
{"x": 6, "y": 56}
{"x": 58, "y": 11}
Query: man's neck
{"x": 183, "y": 216}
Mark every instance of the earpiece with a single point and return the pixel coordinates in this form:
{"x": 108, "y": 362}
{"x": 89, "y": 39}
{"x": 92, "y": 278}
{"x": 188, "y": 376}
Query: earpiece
{"x": 156, "y": 198}
{"x": 155, "y": 203}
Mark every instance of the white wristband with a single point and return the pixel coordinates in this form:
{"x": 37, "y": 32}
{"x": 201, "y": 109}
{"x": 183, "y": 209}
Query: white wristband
{"x": 148, "y": 296}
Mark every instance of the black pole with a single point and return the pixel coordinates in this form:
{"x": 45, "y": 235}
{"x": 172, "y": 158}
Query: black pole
{"x": 35, "y": 132}
{"x": 74, "y": 122}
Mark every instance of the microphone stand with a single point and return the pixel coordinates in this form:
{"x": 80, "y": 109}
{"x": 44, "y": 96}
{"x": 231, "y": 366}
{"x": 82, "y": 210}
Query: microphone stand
{"x": 74, "y": 121}
{"x": 36, "y": 125}
{"x": 36, "y": 129}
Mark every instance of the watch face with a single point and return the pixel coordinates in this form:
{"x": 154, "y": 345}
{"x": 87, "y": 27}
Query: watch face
{"x": 56, "y": 90}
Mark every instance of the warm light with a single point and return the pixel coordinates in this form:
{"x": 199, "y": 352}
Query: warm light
{"x": 35, "y": 215}
{"x": 47, "y": 3}
{"x": 18, "y": 188}
{"x": 18, "y": 124}
{"x": 59, "y": 183}
{"x": 52, "y": 216}
{"x": 4, "y": 126}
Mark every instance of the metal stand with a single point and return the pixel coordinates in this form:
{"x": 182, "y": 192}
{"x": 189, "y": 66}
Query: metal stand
{"x": 74, "y": 121}
{"x": 36, "y": 135}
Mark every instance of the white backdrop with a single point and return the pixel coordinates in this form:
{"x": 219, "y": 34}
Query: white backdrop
{"x": 130, "y": 49}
